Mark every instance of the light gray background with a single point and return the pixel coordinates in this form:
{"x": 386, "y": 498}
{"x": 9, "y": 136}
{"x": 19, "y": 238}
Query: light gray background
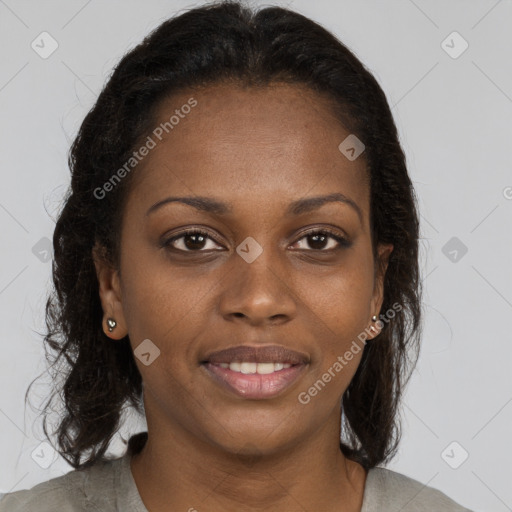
{"x": 454, "y": 118}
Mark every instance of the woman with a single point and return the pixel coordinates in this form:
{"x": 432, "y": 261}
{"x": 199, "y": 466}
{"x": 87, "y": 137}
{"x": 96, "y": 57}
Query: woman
{"x": 238, "y": 260}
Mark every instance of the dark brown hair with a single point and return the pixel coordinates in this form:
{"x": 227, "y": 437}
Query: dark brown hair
{"x": 222, "y": 42}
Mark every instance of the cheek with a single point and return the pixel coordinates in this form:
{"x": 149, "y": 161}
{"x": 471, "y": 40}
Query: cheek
{"x": 338, "y": 312}
{"x": 340, "y": 299}
{"x": 158, "y": 301}
{"x": 337, "y": 309}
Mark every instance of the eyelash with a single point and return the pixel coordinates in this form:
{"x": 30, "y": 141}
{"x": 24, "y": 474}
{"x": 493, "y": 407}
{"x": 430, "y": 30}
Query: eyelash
{"x": 342, "y": 241}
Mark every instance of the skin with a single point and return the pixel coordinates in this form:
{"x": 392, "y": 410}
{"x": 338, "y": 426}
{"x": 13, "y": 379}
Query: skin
{"x": 259, "y": 150}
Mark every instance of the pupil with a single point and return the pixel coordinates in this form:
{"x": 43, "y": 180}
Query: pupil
{"x": 315, "y": 240}
{"x": 198, "y": 239}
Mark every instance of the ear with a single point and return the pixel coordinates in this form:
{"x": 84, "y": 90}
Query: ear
{"x": 110, "y": 294}
{"x": 381, "y": 265}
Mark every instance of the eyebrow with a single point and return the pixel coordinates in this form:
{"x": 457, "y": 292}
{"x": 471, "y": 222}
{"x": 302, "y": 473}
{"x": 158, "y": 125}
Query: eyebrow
{"x": 297, "y": 207}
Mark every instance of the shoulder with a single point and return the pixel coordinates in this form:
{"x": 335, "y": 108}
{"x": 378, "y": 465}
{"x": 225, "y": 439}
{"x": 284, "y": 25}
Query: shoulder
{"x": 385, "y": 488}
{"x": 74, "y": 491}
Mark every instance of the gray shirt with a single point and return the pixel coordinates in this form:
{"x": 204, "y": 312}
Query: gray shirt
{"x": 108, "y": 486}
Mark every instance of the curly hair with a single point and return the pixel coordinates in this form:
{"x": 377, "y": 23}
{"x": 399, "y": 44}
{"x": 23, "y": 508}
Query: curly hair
{"x": 223, "y": 42}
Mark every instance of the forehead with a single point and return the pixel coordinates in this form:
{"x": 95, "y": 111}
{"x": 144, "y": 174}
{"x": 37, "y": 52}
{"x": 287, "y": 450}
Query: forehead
{"x": 273, "y": 144}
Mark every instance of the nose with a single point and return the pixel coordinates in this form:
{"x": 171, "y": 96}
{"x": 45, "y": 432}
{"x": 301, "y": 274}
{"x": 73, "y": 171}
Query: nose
{"x": 258, "y": 293}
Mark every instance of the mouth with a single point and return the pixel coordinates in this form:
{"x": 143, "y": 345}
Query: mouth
{"x": 255, "y": 372}
{"x": 268, "y": 380}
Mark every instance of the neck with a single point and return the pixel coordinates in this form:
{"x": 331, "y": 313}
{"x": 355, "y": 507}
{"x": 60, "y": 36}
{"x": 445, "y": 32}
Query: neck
{"x": 176, "y": 471}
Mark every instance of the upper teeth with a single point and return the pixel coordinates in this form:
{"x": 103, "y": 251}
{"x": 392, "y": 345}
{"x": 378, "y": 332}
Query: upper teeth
{"x": 261, "y": 368}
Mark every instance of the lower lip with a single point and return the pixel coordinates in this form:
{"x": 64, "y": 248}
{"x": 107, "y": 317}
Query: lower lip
{"x": 254, "y": 385}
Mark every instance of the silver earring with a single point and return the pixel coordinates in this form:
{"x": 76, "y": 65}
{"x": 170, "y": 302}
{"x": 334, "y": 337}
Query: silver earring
{"x": 374, "y": 319}
{"x": 111, "y": 324}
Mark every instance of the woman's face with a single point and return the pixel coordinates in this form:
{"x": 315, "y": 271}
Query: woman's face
{"x": 256, "y": 278}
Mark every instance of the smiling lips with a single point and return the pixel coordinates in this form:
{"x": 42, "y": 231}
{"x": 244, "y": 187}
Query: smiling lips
{"x": 256, "y": 372}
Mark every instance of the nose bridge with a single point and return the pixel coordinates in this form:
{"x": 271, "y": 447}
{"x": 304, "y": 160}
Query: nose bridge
{"x": 257, "y": 284}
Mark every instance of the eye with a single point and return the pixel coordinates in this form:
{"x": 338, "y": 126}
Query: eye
{"x": 318, "y": 238}
{"x": 192, "y": 240}
{"x": 196, "y": 240}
